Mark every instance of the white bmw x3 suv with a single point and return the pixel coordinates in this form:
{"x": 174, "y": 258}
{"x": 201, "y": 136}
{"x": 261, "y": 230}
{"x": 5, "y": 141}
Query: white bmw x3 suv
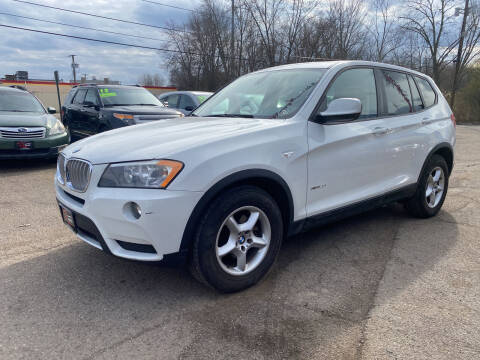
{"x": 273, "y": 153}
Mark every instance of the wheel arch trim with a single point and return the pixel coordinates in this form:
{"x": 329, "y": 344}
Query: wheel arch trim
{"x": 242, "y": 177}
{"x": 438, "y": 149}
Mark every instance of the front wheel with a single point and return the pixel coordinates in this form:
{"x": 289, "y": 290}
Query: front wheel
{"x": 431, "y": 189}
{"x": 238, "y": 239}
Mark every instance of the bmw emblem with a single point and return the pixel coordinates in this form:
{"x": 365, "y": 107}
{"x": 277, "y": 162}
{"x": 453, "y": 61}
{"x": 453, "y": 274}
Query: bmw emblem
{"x": 241, "y": 239}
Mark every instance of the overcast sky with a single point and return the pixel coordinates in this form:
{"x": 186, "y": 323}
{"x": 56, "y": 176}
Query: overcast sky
{"x": 41, "y": 54}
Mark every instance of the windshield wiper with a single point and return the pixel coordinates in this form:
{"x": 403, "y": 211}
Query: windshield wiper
{"x": 146, "y": 105}
{"x": 232, "y": 115}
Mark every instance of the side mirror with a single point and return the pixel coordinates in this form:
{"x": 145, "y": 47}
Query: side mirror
{"x": 51, "y": 110}
{"x": 165, "y": 103}
{"x": 189, "y": 108}
{"x": 343, "y": 109}
{"x": 90, "y": 104}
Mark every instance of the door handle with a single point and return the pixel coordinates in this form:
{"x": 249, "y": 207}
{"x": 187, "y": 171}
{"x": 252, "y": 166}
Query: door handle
{"x": 378, "y": 131}
{"x": 426, "y": 121}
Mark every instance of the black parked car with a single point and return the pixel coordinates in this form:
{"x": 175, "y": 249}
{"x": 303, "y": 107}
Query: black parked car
{"x": 91, "y": 109}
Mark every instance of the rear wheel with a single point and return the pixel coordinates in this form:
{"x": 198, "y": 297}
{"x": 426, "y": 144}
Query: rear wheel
{"x": 431, "y": 190}
{"x": 238, "y": 239}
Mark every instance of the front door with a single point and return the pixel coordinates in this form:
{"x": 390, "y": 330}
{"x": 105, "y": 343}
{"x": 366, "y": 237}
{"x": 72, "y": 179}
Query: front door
{"x": 346, "y": 161}
{"x": 76, "y": 114}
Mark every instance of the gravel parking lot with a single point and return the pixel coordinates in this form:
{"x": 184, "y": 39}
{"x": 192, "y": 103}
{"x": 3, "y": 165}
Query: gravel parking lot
{"x": 377, "y": 286}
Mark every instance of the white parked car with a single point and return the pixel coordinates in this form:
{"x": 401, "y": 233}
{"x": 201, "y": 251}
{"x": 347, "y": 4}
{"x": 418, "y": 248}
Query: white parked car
{"x": 273, "y": 153}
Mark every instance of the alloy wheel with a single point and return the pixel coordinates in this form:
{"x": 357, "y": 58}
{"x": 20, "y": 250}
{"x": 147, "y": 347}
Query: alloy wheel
{"x": 243, "y": 240}
{"x": 435, "y": 187}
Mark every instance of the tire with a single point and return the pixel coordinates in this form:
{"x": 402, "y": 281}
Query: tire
{"x": 221, "y": 246}
{"x": 422, "y": 205}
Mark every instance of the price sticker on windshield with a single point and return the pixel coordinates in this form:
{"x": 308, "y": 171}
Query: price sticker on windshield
{"x": 106, "y": 93}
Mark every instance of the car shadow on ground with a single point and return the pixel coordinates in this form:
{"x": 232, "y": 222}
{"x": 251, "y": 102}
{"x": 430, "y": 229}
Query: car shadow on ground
{"x": 15, "y": 166}
{"x": 315, "y": 299}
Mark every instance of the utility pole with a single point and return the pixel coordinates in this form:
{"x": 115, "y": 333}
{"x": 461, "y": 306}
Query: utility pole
{"x": 74, "y": 66}
{"x": 458, "y": 63}
{"x": 232, "y": 41}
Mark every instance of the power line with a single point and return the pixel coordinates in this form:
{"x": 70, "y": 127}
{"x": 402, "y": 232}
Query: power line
{"x": 111, "y": 42}
{"x": 100, "y": 16}
{"x": 83, "y": 27}
{"x": 167, "y": 5}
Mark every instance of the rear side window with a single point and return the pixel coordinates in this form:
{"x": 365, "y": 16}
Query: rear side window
{"x": 397, "y": 92}
{"x": 69, "y": 98}
{"x": 417, "y": 99}
{"x": 355, "y": 83}
{"x": 427, "y": 91}
{"x": 79, "y": 96}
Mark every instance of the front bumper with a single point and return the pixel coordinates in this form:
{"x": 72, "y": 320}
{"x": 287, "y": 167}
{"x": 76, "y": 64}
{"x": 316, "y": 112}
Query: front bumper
{"x": 42, "y": 148}
{"x": 153, "y": 237}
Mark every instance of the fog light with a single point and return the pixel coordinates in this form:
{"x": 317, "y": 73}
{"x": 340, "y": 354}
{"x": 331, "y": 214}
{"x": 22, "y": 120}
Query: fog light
{"x": 136, "y": 210}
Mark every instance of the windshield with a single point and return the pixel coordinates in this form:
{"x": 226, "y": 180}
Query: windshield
{"x": 127, "y": 96}
{"x": 277, "y": 94}
{"x": 19, "y": 102}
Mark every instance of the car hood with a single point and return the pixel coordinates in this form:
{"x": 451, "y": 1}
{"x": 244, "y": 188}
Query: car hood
{"x": 143, "y": 110}
{"x": 18, "y": 119}
{"x": 163, "y": 138}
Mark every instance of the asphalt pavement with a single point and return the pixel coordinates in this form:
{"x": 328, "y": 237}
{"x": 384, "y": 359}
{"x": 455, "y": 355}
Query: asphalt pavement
{"x": 381, "y": 285}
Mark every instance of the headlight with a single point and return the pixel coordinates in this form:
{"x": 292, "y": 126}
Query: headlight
{"x": 123, "y": 116}
{"x": 57, "y": 128}
{"x": 153, "y": 174}
{"x": 128, "y": 118}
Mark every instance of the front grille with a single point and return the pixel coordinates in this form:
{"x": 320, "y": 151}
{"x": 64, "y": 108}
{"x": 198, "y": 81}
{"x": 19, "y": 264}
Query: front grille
{"x": 22, "y": 133}
{"x": 77, "y": 174}
{"x": 61, "y": 168}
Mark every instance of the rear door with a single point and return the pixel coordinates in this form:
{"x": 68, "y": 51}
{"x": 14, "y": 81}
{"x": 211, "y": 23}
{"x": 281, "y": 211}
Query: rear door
{"x": 402, "y": 116}
{"x": 435, "y": 119}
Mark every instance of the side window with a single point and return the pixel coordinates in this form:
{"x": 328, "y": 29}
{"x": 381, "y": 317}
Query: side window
{"x": 173, "y": 100}
{"x": 185, "y": 101}
{"x": 69, "y": 98}
{"x": 91, "y": 97}
{"x": 417, "y": 99}
{"x": 80, "y": 96}
{"x": 163, "y": 99}
{"x": 397, "y": 92}
{"x": 355, "y": 83}
{"x": 428, "y": 93}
